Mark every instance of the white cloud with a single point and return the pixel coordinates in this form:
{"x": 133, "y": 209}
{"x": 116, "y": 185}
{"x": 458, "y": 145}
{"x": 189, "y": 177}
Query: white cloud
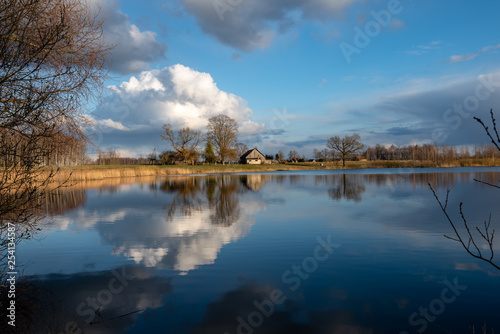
{"x": 178, "y": 95}
{"x": 466, "y": 57}
{"x": 136, "y": 109}
{"x": 112, "y": 124}
{"x": 251, "y": 128}
{"x": 456, "y": 59}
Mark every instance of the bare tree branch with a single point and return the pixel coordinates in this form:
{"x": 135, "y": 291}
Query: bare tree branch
{"x": 185, "y": 141}
{"x": 345, "y": 146}
{"x": 223, "y": 133}
{"x": 497, "y": 142}
{"x": 473, "y": 251}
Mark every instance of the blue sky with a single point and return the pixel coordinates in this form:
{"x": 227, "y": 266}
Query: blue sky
{"x": 418, "y": 75}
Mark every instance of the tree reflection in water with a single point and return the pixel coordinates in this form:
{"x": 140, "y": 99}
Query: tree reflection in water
{"x": 349, "y": 187}
{"x": 219, "y": 194}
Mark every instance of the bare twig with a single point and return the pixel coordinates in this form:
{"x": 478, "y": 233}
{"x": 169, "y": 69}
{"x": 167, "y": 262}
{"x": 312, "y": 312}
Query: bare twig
{"x": 489, "y": 184}
{"x": 497, "y": 142}
{"x": 470, "y": 246}
{"x": 120, "y": 316}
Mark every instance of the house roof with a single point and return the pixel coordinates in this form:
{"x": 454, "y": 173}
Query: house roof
{"x": 247, "y": 153}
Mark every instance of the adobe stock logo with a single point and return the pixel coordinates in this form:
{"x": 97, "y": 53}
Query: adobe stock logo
{"x": 436, "y": 307}
{"x": 292, "y": 278}
{"x": 372, "y": 29}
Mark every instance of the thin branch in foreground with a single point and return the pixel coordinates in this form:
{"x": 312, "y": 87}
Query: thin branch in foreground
{"x": 488, "y": 131}
{"x": 488, "y": 184}
{"x": 475, "y": 251}
{"x": 120, "y": 316}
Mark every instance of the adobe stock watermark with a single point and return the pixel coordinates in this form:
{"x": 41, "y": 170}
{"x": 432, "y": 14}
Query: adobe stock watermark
{"x": 223, "y": 6}
{"x": 293, "y": 278}
{"x": 372, "y": 29}
{"x": 400, "y": 173}
{"x": 93, "y": 304}
{"x": 120, "y": 109}
{"x": 280, "y": 121}
{"x": 421, "y": 319}
{"x": 453, "y": 116}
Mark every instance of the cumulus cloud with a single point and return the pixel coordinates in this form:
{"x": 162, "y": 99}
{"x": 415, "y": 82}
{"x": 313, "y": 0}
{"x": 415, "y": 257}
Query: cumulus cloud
{"x": 134, "y": 49}
{"x": 135, "y": 110}
{"x": 248, "y": 25}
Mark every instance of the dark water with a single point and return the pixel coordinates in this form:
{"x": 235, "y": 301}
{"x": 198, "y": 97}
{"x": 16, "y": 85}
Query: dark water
{"x": 305, "y": 252}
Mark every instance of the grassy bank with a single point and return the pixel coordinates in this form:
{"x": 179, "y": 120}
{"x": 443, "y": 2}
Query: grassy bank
{"x": 93, "y": 172}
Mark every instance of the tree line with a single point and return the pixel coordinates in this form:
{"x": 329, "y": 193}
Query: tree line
{"x": 351, "y": 148}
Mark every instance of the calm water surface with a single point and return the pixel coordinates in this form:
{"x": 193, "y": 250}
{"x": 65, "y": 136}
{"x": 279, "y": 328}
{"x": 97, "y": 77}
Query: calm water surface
{"x": 282, "y": 252}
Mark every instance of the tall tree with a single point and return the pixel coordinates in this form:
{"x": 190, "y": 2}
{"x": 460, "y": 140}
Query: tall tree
{"x": 280, "y": 156}
{"x": 346, "y": 146}
{"x": 185, "y": 141}
{"x": 223, "y": 133}
{"x": 209, "y": 153}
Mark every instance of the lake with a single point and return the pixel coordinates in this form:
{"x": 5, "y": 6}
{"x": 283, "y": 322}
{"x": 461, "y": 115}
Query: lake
{"x": 357, "y": 251}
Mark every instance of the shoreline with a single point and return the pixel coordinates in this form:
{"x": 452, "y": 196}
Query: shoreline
{"x": 93, "y": 172}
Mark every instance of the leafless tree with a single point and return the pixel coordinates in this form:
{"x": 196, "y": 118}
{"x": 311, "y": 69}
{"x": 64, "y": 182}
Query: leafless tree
{"x": 324, "y": 154}
{"x": 241, "y": 149}
{"x": 293, "y": 154}
{"x": 346, "y": 146}
{"x": 185, "y": 141}
{"x": 468, "y": 240}
{"x": 280, "y": 156}
{"x": 52, "y": 62}
{"x": 223, "y": 133}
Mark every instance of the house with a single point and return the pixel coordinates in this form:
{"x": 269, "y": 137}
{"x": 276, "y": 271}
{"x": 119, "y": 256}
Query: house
{"x": 253, "y": 157}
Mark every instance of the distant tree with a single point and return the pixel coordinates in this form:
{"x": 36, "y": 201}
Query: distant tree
{"x": 169, "y": 157}
{"x": 209, "y": 153}
{"x": 109, "y": 157}
{"x": 280, "y": 156}
{"x": 269, "y": 157}
{"x": 346, "y": 146}
{"x": 317, "y": 154}
{"x": 223, "y": 133}
{"x": 293, "y": 155}
{"x": 241, "y": 149}
{"x": 185, "y": 141}
{"x": 153, "y": 157}
{"x": 324, "y": 154}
